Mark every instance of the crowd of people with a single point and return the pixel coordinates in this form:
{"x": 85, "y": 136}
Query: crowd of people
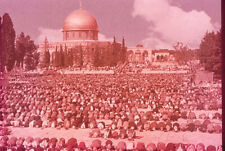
{"x": 54, "y": 144}
{"x": 135, "y": 102}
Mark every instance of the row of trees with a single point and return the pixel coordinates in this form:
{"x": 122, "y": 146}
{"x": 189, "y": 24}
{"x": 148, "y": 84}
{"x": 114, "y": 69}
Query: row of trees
{"x": 209, "y": 53}
{"x": 18, "y": 51}
{"x": 113, "y": 55}
{"x": 62, "y": 58}
{"x": 110, "y": 55}
{"x": 21, "y": 51}
{"x": 183, "y": 54}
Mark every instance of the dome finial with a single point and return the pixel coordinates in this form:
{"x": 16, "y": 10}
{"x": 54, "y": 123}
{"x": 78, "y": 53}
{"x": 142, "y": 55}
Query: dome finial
{"x": 80, "y": 4}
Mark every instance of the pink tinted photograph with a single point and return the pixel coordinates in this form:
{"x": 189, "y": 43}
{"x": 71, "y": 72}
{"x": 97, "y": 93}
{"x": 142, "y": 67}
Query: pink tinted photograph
{"x": 123, "y": 75}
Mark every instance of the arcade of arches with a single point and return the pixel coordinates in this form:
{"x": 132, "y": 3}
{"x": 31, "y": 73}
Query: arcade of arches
{"x": 141, "y": 55}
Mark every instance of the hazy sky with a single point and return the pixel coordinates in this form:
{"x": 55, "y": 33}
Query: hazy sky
{"x": 154, "y": 23}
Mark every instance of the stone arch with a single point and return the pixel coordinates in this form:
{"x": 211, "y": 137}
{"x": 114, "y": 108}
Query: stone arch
{"x": 145, "y": 55}
{"x": 130, "y": 52}
{"x": 138, "y": 56}
{"x": 130, "y": 55}
{"x": 157, "y": 57}
{"x": 137, "y": 52}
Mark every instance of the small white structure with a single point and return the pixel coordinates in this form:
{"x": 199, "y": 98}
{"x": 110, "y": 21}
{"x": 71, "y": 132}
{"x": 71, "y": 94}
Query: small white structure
{"x": 203, "y": 77}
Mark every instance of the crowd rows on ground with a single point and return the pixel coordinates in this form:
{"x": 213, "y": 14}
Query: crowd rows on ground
{"x": 54, "y": 144}
{"x": 166, "y": 102}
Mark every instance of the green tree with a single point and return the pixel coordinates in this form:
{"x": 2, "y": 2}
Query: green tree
{"x": 53, "y": 59}
{"x": 31, "y": 60}
{"x": 123, "y": 51}
{"x": 114, "y": 52}
{"x": 1, "y": 49}
{"x": 97, "y": 57}
{"x": 70, "y": 57}
{"x": 21, "y": 48}
{"x": 31, "y": 54}
{"x": 109, "y": 55}
{"x": 46, "y": 60}
{"x": 81, "y": 61}
{"x": 8, "y": 42}
{"x": 182, "y": 53}
{"x": 61, "y": 64}
{"x": 56, "y": 60}
{"x": 36, "y": 56}
{"x": 26, "y": 50}
{"x": 210, "y": 52}
{"x": 66, "y": 57}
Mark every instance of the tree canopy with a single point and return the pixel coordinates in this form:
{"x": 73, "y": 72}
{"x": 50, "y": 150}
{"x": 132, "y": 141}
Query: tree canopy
{"x": 210, "y": 52}
{"x": 7, "y": 47}
{"x": 183, "y": 54}
{"x": 1, "y": 49}
{"x": 23, "y": 51}
{"x": 26, "y": 52}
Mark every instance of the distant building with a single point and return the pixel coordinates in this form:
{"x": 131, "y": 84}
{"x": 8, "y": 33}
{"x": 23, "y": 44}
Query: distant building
{"x": 80, "y": 39}
{"x": 139, "y": 55}
{"x": 163, "y": 55}
{"x": 80, "y": 31}
{"x": 142, "y": 55}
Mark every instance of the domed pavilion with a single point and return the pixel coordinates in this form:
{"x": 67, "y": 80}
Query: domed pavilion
{"x": 80, "y": 25}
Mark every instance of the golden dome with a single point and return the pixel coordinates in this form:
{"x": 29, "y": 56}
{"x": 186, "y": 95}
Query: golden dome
{"x": 80, "y": 20}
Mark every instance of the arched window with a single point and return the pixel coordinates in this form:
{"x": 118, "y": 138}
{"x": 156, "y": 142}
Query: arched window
{"x": 158, "y": 58}
{"x": 145, "y": 55}
{"x": 130, "y": 55}
{"x": 138, "y": 57}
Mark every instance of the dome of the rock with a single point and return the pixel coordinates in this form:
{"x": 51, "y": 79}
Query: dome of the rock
{"x": 80, "y": 25}
{"x": 80, "y": 20}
